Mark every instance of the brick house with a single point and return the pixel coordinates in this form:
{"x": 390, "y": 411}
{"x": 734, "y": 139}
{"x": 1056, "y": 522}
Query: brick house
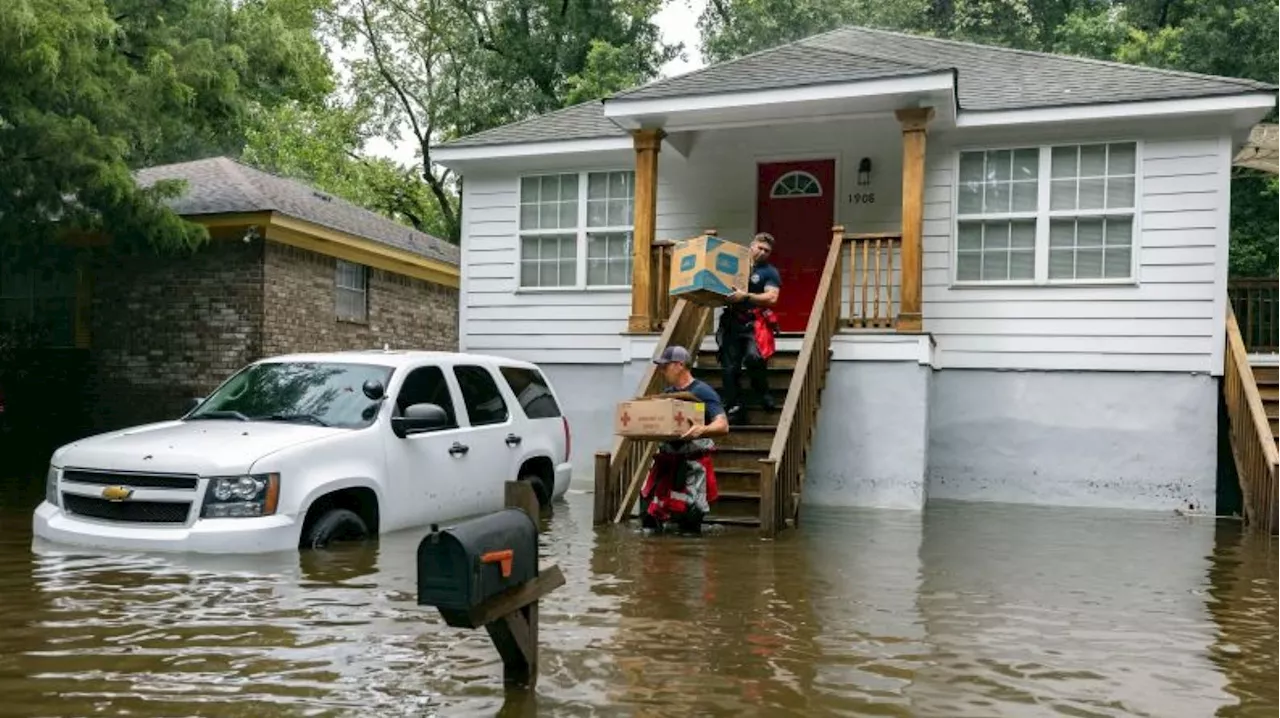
{"x": 288, "y": 269}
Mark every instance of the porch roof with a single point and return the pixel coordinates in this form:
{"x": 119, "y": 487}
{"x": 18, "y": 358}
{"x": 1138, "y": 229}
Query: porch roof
{"x": 987, "y": 79}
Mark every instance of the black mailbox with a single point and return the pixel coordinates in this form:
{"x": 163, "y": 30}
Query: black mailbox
{"x": 462, "y": 566}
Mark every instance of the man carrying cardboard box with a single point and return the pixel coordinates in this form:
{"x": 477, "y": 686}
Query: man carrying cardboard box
{"x": 747, "y": 329}
{"x": 681, "y": 484}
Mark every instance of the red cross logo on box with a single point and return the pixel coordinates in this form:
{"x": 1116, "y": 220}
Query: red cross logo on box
{"x": 680, "y": 418}
{"x": 626, "y": 419}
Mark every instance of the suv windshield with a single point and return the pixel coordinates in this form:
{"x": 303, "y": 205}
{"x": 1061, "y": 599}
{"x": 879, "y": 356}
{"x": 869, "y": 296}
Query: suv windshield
{"x": 302, "y": 392}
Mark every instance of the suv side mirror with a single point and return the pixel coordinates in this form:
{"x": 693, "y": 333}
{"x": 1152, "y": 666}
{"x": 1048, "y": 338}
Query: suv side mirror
{"x": 419, "y": 418}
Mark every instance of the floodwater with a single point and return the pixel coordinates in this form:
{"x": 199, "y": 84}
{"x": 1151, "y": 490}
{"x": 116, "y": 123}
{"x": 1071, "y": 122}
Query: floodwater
{"x": 963, "y": 610}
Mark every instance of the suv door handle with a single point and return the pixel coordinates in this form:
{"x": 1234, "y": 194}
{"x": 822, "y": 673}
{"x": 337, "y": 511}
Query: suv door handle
{"x": 513, "y": 440}
{"x": 458, "y": 449}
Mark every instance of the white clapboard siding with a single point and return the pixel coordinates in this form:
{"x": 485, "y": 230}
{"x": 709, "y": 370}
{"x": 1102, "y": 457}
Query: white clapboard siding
{"x": 543, "y": 326}
{"x": 1168, "y": 321}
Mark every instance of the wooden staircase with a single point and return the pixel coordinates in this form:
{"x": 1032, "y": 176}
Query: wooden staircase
{"x": 759, "y": 465}
{"x": 739, "y": 454}
{"x": 1251, "y": 398}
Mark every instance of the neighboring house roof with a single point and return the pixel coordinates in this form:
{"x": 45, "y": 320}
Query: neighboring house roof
{"x": 988, "y": 78}
{"x": 1260, "y": 152}
{"x": 220, "y": 185}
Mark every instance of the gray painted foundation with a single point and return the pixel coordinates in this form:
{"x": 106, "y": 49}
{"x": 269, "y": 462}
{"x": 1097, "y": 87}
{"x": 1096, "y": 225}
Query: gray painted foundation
{"x": 588, "y": 394}
{"x": 896, "y": 434}
{"x": 870, "y": 447}
{"x": 1099, "y": 439}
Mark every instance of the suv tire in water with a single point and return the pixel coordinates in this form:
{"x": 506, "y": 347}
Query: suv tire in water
{"x": 540, "y": 489}
{"x": 333, "y": 526}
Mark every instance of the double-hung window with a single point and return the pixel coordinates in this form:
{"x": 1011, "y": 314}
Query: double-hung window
{"x": 576, "y": 230}
{"x": 1046, "y": 215}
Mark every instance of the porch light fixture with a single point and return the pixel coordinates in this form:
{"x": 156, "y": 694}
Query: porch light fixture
{"x": 864, "y": 172}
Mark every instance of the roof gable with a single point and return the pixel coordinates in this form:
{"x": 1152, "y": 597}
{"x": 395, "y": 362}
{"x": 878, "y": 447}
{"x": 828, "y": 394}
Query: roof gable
{"x": 988, "y": 79}
{"x": 220, "y": 185}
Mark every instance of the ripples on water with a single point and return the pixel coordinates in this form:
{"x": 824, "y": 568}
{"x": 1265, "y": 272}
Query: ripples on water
{"x": 965, "y": 610}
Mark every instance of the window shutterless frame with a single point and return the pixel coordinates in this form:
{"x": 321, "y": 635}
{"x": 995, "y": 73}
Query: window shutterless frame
{"x": 1044, "y": 216}
{"x": 580, "y": 232}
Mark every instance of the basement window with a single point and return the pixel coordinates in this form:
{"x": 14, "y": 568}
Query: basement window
{"x": 351, "y": 292}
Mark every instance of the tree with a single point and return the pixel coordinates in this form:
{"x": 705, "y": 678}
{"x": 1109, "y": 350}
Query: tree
{"x": 438, "y": 69}
{"x": 94, "y": 89}
{"x": 323, "y": 145}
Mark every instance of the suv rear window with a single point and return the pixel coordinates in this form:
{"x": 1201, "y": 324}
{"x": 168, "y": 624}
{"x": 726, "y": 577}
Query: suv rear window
{"x": 480, "y": 393}
{"x": 532, "y": 392}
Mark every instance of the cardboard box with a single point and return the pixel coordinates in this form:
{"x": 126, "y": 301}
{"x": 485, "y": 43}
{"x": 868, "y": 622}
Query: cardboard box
{"x": 657, "y": 417}
{"x": 704, "y": 270}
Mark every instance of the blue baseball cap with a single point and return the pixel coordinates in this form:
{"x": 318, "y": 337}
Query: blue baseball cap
{"x": 674, "y": 354}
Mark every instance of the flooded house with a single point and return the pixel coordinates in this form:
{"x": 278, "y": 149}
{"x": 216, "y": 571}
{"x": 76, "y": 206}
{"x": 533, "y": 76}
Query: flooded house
{"x": 1004, "y": 273}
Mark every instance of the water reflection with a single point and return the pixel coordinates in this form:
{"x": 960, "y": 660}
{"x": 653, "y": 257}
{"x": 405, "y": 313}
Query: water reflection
{"x": 964, "y": 610}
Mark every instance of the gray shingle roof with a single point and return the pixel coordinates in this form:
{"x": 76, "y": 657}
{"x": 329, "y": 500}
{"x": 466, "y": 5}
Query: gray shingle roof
{"x": 989, "y": 78}
{"x": 220, "y": 185}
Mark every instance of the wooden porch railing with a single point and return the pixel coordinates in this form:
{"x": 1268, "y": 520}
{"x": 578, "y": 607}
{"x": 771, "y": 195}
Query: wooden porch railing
{"x": 1252, "y": 445}
{"x": 782, "y": 472}
{"x": 1257, "y": 306}
{"x": 874, "y": 298}
{"x": 618, "y": 473}
{"x": 660, "y": 302}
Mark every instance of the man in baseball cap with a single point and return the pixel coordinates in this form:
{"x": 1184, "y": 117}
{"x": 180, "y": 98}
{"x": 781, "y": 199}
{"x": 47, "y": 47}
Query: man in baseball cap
{"x": 681, "y": 485}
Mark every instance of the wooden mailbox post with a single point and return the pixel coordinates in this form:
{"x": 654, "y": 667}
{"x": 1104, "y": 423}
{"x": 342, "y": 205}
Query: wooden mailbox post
{"x": 511, "y": 617}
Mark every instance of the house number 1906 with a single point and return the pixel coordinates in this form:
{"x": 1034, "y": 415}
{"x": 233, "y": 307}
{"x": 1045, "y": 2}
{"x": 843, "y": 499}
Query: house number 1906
{"x": 863, "y": 198}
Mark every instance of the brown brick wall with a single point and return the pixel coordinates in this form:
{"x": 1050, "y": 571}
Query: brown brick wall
{"x": 300, "y": 312}
{"x": 166, "y": 328}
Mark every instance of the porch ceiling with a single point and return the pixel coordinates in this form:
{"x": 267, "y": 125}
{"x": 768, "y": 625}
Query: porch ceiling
{"x": 815, "y": 102}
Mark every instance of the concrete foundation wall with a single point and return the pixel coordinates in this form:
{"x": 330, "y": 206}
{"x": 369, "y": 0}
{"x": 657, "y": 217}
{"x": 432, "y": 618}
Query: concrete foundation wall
{"x": 871, "y": 444}
{"x": 1100, "y": 439}
{"x": 588, "y": 394}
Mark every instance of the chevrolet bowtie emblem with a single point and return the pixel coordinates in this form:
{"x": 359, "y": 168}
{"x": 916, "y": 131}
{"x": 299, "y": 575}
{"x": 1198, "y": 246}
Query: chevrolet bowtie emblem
{"x": 117, "y": 493}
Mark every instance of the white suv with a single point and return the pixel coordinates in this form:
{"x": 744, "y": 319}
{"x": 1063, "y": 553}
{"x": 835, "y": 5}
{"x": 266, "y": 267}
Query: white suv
{"x": 306, "y": 449}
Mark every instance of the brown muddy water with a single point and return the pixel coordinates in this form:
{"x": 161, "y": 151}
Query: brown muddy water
{"x": 963, "y": 610}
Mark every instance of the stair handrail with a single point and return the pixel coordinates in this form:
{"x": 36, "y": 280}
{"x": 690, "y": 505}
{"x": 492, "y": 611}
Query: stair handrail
{"x": 629, "y": 460}
{"x": 1252, "y": 443}
{"x": 780, "y": 471}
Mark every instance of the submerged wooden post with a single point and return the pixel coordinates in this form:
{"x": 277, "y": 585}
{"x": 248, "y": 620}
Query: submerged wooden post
{"x": 604, "y": 490}
{"x": 914, "y": 122}
{"x": 509, "y": 617}
{"x": 647, "y": 143}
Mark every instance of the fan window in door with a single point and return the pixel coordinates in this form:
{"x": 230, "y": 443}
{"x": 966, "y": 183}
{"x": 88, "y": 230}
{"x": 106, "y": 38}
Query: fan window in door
{"x": 796, "y": 184}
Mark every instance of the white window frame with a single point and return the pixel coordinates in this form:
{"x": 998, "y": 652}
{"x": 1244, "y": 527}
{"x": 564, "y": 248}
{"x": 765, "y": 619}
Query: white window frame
{"x": 1044, "y": 216}
{"x": 338, "y": 289}
{"x": 580, "y": 232}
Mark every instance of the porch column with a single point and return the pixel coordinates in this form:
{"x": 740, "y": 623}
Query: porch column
{"x": 647, "y": 144}
{"x": 914, "y": 121}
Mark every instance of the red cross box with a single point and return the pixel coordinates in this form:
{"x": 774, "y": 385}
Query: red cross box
{"x": 656, "y": 417}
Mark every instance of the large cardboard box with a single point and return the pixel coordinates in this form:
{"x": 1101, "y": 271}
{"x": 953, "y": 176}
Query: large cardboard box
{"x": 657, "y": 417}
{"x": 705, "y": 269}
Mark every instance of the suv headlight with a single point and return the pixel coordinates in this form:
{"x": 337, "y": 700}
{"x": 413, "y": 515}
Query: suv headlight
{"x": 51, "y": 485}
{"x": 239, "y": 496}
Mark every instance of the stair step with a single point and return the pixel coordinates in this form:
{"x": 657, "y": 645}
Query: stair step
{"x": 779, "y": 381}
{"x": 735, "y": 480}
{"x": 1268, "y": 375}
{"x": 1269, "y": 393}
{"x": 748, "y": 437}
{"x": 780, "y": 360}
{"x": 730, "y": 457}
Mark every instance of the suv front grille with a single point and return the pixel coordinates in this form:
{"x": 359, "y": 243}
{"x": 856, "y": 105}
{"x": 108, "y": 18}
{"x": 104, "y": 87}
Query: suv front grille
{"x": 137, "y": 481}
{"x": 141, "y": 512}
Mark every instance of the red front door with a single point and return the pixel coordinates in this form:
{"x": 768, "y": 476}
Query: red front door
{"x": 795, "y": 202}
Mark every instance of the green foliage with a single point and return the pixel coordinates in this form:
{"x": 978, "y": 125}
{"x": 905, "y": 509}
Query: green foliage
{"x": 96, "y": 88}
{"x": 323, "y": 144}
{"x": 430, "y": 70}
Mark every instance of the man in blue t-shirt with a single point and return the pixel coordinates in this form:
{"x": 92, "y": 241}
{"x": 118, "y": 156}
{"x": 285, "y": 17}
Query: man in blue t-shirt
{"x": 674, "y": 365}
{"x": 736, "y": 335}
